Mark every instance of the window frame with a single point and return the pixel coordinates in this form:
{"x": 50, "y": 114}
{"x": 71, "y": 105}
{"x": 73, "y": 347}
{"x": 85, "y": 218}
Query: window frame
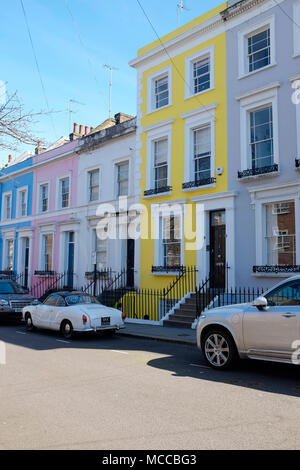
{"x": 252, "y": 30}
{"x": 6, "y": 253}
{"x": 18, "y": 208}
{"x": 252, "y": 101}
{"x": 117, "y": 165}
{"x": 89, "y": 173}
{"x": 42, "y": 266}
{"x": 201, "y": 118}
{"x": 152, "y": 78}
{"x": 3, "y": 211}
{"x": 208, "y": 52}
{"x": 162, "y": 132}
{"x": 59, "y": 205}
{"x": 39, "y": 196}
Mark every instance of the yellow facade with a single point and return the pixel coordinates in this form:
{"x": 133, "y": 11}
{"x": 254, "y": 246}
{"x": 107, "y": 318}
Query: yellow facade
{"x": 179, "y": 106}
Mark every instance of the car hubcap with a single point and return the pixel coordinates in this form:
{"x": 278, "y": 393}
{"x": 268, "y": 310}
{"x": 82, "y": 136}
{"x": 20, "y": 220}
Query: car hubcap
{"x": 29, "y": 321}
{"x": 217, "y": 350}
{"x": 67, "y": 328}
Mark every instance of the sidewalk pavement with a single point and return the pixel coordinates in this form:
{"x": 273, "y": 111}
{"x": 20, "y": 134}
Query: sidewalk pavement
{"x": 160, "y": 333}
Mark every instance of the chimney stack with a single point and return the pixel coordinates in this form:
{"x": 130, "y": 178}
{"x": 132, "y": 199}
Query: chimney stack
{"x": 9, "y": 158}
{"x": 86, "y": 130}
{"x": 74, "y": 134}
{"x": 81, "y": 129}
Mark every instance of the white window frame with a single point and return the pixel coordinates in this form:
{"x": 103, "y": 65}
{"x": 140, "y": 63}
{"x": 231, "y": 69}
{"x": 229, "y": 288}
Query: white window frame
{"x": 41, "y": 261}
{"x": 243, "y": 45}
{"x": 94, "y": 249}
{"x": 202, "y": 117}
{"x": 158, "y": 212}
{"x": 116, "y": 166}
{"x": 164, "y": 131}
{"x": 88, "y": 171}
{"x": 296, "y": 14}
{"x": 18, "y": 208}
{"x": 6, "y": 241}
{"x": 167, "y": 71}
{"x": 208, "y": 52}
{"x": 3, "y": 212}
{"x": 252, "y": 101}
{"x": 268, "y": 195}
{"x": 39, "y": 195}
{"x": 58, "y": 192}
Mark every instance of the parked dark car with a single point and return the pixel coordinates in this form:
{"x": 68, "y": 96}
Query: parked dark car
{"x": 13, "y": 298}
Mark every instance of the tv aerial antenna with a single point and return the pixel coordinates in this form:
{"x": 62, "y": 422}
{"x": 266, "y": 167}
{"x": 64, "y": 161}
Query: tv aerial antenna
{"x": 71, "y": 111}
{"x": 111, "y": 69}
{"x": 180, "y": 7}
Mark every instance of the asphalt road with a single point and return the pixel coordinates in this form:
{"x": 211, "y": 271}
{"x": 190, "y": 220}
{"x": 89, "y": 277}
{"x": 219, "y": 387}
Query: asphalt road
{"x": 126, "y": 393}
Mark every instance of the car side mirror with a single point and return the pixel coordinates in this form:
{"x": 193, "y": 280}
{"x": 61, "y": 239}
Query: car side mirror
{"x": 261, "y": 303}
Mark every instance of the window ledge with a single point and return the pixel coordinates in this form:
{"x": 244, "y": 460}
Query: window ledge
{"x": 243, "y": 176}
{"x": 166, "y": 274}
{"x": 198, "y": 188}
{"x": 190, "y": 96}
{"x": 276, "y": 275}
{"x": 249, "y": 74}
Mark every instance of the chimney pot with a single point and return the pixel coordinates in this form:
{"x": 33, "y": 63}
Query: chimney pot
{"x": 86, "y": 130}
{"x": 75, "y": 128}
{"x": 81, "y": 129}
{"x": 9, "y": 158}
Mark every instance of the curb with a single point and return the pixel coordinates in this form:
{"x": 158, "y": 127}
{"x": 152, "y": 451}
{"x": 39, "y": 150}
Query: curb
{"x": 159, "y": 338}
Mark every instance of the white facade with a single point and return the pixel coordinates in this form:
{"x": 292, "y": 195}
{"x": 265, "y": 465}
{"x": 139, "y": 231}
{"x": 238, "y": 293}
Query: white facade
{"x": 106, "y": 172}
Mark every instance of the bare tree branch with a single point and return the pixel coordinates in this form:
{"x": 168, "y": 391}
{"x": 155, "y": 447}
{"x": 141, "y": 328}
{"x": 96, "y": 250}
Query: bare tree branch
{"x": 16, "y": 124}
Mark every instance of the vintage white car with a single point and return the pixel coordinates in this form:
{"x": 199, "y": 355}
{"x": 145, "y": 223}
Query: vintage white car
{"x": 70, "y": 312}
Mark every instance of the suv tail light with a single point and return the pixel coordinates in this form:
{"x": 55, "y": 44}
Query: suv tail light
{"x": 123, "y": 316}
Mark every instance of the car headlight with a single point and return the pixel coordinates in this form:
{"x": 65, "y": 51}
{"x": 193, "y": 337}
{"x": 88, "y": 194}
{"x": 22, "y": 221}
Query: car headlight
{"x": 3, "y": 302}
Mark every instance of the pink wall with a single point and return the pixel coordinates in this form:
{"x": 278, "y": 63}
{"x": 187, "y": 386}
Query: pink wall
{"x": 50, "y": 172}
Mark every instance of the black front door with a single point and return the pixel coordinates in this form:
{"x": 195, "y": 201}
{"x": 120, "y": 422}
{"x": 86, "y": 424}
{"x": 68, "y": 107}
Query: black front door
{"x": 217, "y": 249}
{"x": 130, "y": 262}
{"x": 26, "y": 261}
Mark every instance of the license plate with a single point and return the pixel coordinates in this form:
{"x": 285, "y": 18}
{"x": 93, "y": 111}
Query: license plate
{"x": 105, "y": 321}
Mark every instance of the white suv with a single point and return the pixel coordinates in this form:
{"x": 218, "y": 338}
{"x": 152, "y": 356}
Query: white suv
{"x": 268, "y": 329}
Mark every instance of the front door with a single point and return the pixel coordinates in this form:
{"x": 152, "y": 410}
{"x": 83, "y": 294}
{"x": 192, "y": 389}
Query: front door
{"x": 217, "y": 249}
{"x": 130, "y": 262}
{"x": 70, "y": 258}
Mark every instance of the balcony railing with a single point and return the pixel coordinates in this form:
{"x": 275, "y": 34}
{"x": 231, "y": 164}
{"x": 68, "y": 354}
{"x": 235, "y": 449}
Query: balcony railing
{"x": 277, "y": 269}
{"x": 258, "y": 171}
{"x": 297, "y": 162}
{"x": 152, "y": 192}
{"x": 197, "y": 183}
{"x": 168, "y": 269}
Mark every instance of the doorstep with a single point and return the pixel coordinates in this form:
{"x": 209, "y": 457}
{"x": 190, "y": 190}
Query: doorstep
{"x": 160, "y": 333}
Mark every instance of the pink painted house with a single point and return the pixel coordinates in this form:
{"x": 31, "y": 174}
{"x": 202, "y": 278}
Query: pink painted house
{"x": 55, "y": 225}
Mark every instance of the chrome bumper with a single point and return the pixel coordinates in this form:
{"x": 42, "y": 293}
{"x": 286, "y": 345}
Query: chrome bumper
{"x": 100, "y": 328}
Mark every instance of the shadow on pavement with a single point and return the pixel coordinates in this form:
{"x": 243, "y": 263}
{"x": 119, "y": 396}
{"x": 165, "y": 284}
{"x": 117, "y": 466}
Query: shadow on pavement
{"x": 179, "y": 359}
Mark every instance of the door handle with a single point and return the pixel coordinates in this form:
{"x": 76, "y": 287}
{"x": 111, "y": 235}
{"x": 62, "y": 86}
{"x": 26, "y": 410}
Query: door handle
{"x": 288, "y": 315}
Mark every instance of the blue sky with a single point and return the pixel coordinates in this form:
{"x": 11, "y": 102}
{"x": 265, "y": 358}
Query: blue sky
{"x": 111, "y": 32}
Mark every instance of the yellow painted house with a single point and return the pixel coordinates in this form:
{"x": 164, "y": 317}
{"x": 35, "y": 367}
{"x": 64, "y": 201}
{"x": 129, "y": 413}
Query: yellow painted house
{"x": 182, "y": 154}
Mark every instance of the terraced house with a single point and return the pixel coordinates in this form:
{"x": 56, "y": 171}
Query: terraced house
{"x": 16, "y": 190}
{"x": 182, "y": 143}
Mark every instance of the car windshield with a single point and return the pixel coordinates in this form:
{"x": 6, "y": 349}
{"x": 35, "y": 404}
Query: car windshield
{"x": 76, "y": 299}
{"x": 9, "y": 287}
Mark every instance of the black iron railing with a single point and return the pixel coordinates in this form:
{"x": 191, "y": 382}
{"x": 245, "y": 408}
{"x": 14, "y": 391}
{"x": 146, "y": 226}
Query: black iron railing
{"x": 209, "y": 297}
{"x": 152, "y": 192}
{"x": 198, "y": 183}
{"x": 297, "y": 162}
{"x": 258, "y": 171}
{"x": 277, "y": 269}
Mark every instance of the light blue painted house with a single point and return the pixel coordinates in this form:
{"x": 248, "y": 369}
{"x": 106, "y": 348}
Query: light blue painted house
{"x": 16, "y": 189}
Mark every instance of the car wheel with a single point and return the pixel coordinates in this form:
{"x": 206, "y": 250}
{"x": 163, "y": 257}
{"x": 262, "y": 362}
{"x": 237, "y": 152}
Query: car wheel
{"x": 219, "y": 349}
{"x": 66, "y": 329}
{"x": 28, "y": 322}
